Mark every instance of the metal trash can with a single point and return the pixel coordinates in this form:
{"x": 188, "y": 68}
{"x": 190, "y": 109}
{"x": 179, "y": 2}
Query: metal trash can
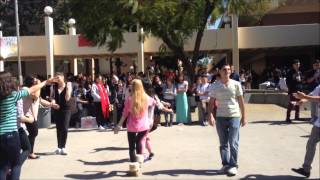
{"x": 44, "y": 117}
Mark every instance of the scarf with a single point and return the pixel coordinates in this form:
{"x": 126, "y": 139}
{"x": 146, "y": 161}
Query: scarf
{"x": 104, "y": 101}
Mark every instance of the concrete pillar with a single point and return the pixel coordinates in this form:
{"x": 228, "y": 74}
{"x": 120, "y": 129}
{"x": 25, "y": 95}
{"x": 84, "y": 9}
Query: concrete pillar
{"x": 104, "y": 66}
{"x": 235, "y": 48}
{"x": 48, "y": 21}
{"x": 141, "y": 54}
{"x": 1, "y": 61}
{"x": 92, "y": 68}
{"x": 73, "y": 32}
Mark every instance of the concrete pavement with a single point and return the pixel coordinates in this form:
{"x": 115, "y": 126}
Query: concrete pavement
{"x": 269, "y": 148}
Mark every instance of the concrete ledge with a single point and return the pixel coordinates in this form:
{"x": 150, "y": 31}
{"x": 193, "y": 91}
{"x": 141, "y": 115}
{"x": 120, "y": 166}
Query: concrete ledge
{"x": 270, "y": 97}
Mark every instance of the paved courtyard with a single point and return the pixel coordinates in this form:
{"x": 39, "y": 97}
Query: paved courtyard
{"x": 269, "y": 148}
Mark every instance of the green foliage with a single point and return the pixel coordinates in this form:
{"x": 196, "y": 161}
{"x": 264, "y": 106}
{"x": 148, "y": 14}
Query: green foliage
{"x": 104, "y": 21}
{"x": 173, "y": 21}
{"x": 255, "y": 10}
{"x": 31, "y": 16}
{"x": 170, "y": 20}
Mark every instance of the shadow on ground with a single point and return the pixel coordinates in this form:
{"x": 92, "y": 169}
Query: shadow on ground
{"x": 177, "y": 172}
{"x": 46, "y": 154}
{"x": 97, "y": 175}
{"x": 305, "y": 136}
{"x": 110, "y": 149}
{"x": 279, "y": 122}
{"x": 104, "y": 162}
{"x": 80, "y": 130}
{"x": 277, "y": 177}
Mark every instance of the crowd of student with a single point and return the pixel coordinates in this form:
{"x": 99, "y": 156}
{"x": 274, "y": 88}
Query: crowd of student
{"x": 137, "y": 99}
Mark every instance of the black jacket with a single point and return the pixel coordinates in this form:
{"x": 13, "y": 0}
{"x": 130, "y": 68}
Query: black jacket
{"x": 294, "y": 81}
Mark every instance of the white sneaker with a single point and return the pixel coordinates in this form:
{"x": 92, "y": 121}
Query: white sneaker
{"x": 233, "y": 171}
{"x": 57, "y": 151}
{"x": 224, "y": 169}
{"x": 101, "y": 128}
{"x": 64, "y": 151}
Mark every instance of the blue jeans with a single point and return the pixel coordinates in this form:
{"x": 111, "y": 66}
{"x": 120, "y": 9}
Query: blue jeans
{"x": 228, "y": 132}
{"x": 10, "y": 155}
{"x": 314, "y": 113}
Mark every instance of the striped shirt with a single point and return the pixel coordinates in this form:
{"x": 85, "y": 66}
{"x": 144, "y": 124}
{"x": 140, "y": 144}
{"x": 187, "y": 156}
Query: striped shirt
{"x": 226, "y": 95}
{"x": 8, "y": 111}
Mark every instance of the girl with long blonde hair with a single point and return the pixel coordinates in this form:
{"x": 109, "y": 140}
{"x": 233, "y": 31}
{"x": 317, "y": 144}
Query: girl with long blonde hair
{"x": 139, "y": 97}
{"x": 136, "y": 112}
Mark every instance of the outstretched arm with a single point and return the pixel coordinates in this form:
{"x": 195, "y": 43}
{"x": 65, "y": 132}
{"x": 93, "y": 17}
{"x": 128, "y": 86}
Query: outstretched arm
{"x": 37, "y": 87}
{"x": 304, "y": 97}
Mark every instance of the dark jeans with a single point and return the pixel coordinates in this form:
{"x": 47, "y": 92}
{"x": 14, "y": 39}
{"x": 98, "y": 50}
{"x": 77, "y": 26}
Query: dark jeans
{"x": 9, "y": 155}
{"x": 314, "y": 139}
{"x": 98, "y": 114}
{"x": 228, "y": 132}
{"x": 25, "y": 145}
{"x": 62, "y": 119}
{"x": 291, "y": 106}
{"x": 33, "y": 133}
{"x": 119, "y": 113}
{"x": 135, "y": 146}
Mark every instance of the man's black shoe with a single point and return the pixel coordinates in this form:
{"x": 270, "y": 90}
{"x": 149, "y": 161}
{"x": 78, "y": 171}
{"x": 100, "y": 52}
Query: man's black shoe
{"x": 301, "y": 171}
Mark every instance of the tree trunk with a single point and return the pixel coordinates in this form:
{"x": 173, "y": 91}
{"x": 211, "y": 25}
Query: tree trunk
{"x": 196, "y": 51}
{"x": 179, "y": 53}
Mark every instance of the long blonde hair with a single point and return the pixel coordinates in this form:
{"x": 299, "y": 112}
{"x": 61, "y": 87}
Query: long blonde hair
{"x": 139, "y": 97}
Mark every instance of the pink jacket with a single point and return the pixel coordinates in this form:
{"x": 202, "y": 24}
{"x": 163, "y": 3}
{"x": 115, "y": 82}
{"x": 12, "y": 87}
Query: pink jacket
{"x": 137, "y": 123}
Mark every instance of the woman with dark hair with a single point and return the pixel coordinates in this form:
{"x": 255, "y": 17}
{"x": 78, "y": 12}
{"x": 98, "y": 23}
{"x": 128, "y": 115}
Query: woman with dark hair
{"x": 158, "y": 89}
{"x": 31, "y": 109}
{"x": 182, "y": 101}
{"x": 9, "y": 138}
{"x": 101, "y": 102}
{"x": 61, "y": 94}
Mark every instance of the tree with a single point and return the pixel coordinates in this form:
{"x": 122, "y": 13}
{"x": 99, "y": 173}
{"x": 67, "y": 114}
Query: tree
{"x": 173, "y": 21}
{"x": 31, "y": 16}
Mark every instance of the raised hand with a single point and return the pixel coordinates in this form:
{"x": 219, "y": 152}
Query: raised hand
{"x": 52, "y": 80}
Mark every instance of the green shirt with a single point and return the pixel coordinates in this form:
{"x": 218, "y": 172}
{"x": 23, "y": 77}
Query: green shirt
{"x": 8, "y": 111}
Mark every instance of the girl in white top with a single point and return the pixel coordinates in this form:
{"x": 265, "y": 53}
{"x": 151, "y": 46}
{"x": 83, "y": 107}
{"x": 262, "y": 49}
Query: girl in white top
{"x": 169, "y": 93}
{"x": 182, "y": 109}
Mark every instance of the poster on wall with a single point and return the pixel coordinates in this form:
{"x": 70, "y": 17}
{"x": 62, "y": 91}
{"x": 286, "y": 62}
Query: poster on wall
{"x": 8, "y": 47}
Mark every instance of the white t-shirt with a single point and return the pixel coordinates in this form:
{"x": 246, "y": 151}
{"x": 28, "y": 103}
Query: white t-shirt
{"x": 316, "y": 92}
{"x": 183, "y": 85}
{"x": 227, "y": 95}
{"x": 202, "y": 88}
{"x": 31, "y": 106}
{"x": 169, "y": 93}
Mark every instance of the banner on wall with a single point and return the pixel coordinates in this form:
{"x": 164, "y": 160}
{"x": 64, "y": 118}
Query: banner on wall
{"x": 84, "y": 42}
{"x": 8, "y": 47}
